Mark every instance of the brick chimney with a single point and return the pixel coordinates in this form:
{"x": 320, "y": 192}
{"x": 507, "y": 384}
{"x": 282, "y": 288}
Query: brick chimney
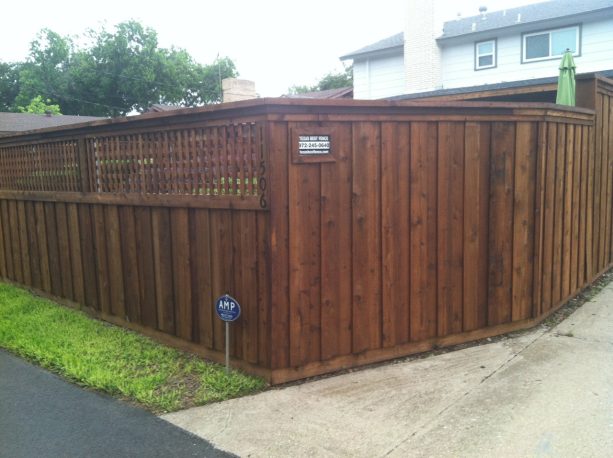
{"x": 422, "y": 56}
{"x": 235, "y": 90}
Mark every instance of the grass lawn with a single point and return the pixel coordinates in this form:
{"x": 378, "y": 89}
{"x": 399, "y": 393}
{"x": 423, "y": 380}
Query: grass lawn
{"x": 101, "y": 356}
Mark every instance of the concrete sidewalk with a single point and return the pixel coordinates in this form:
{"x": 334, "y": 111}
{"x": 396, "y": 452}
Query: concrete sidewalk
{"x": 545, "y": 393}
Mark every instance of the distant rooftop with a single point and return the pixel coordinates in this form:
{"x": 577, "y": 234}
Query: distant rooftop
{"x": 21, "y": 122}
{"x": 521, "y": 15}
{"x": 340, "y": 93}
{"x": 395, "y": 41}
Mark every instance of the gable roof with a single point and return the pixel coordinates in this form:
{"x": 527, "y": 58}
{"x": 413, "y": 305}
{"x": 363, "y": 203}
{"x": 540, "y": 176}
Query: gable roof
{"x": 513, "y": 17}
{"x": 21, "y": 122}
{"x": 387, "y": 44}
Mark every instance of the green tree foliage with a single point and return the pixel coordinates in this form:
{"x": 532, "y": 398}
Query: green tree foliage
{"x": 119, "y": 71}
{"x": 39, "y": 106}
{"x": 9, "y": 85}
{"x": 333, "y": 80}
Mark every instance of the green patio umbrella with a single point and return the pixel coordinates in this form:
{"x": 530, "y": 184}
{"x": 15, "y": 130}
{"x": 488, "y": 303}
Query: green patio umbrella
{"x": 566, "y": 80}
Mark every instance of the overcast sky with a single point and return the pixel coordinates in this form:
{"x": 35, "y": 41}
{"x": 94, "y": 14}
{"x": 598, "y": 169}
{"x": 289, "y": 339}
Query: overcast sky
{"x": 277, "y": 44}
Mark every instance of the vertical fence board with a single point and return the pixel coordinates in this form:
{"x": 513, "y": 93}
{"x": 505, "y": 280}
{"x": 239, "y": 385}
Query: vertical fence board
{"x": 604, "y": 186}
{"x": 43, "y": 247}
{"x": 558, "y": 217}
{"x": 264, "y": 289}
{"x": 202, "y": 294}
{"x": 15, "y": 241}
{"x": 607, "y": 148}
{"x": 64, "y": 250}
{"x": 423, "y": 247}
{"x": 501, "y": 231}
{"x": 222, "y": 272}
{"x": 450, "y": 227}
{"x": 247, "y": 289}
{"x": 541, "y": 163}
{"x": 113, "y": 245}
{"x": 366, "y": 237}
{"x": 33, "y": 245}
{"x": 576, "y": 196}
{"x": 179, "y": 218}
{"x": 304, "y": 250}
{"x": 53, "y": 249}
{"x": 146, "y": 267}
{"x": 24, "y": 249}
{"x": 162, "y": 260}
{"x": 3, "y": 224}
{"x": 395, "y": 224}
{"x": 581, "y": 268}
{"x": 336, "y": 253}
{"x": 476, "y": 225}
{"x": 101, "y": 258}
{"x": 548, "y": 222}
{"x": 595, "y": 234}
{"x": 8, "y": 247}
{"x": 567, "y": 211}
{"x": 279, "y": 243}
{"x": 88, "y": 253}
{"x": 129, "y": 259}
{"x": 76, "y": 257}
{"x": 589, "y": 243}
{"x": 523, "y": 220}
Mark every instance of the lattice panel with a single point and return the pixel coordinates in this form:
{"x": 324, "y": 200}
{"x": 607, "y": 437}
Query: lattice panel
{"x": 208, "y": 161}
{"x": 52, "y": 166}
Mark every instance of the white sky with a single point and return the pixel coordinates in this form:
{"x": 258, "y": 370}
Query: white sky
{"x": 275, "y": 43}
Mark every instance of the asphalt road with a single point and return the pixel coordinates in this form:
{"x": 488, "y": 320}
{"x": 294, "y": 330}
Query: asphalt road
{"x": 41, "y": 415}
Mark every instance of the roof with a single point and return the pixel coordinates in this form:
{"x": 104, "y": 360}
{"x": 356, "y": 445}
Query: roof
{"x": 21, "y": 122}
{"x": 159, "y": 107}
{"x": 522, "y": 15}
{"x": 488, "y": 87}
{"x": 389, "y": 43}
{"x": 340, "y": 93}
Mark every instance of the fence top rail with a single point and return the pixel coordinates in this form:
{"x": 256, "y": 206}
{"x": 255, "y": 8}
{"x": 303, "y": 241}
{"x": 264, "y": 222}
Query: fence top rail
{"x": 273, "y": 108}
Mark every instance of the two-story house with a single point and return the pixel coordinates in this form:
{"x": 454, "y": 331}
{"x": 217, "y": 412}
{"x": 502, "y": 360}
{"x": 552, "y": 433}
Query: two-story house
{"x": 513, "y": 45}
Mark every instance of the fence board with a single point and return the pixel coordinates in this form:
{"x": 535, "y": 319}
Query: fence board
{"x": 101, "y": 258}
{"x": 41, "y": 236}
{"x": 24, "y": 249}
{"x": 201, "y": 277}
{"x": 76, "y": 257}
{"x": 15, "y": 241}
{"x": 567, "y": 211}
{"x": 162, "y": 260}
{"x": 558, "y": 217}
{"x": 581, "y": 268}
{"x": 146, "y": 267}
{"x": 366, "y": 225}
{"x": 113, "y": 246}
{"x": 222, "y": 267}
{"x": 336, "y": 252}
{"x": 523, "y": 220}
{"x": 246, "y": 229}
{"x": 64, "y": 250}
{"x": 8, "y": 246}
{"x": 450, "y": 227}
{"x": 395, "y": 224}
{"x": 304, "y": 266}
{"x": 264, "y": 290}
{"x": 3, "y": 224}
{"x": 129, "y": 260}
{"x": 476, "y": 225}
{"x": 88, "y": 252}
{"x": 53, "y": 249}
{"x": 501, "y": 232}
{"x": 179, "y": 218}
{"x": 423, "y": 247}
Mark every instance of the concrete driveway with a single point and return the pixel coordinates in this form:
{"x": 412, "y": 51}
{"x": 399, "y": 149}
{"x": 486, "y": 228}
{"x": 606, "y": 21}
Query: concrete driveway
{"x": 544, "y": 393}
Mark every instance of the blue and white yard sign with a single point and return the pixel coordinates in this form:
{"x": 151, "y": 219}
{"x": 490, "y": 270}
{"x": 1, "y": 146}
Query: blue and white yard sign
{"x": 227, "y": 308}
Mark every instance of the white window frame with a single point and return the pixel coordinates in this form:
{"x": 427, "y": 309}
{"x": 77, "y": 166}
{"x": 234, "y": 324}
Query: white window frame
{"x": 577, "y": 52}
{"x": 493, "y": 54}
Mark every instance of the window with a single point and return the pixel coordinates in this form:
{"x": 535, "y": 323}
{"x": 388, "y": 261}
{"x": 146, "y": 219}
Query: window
{"x": 550, "y": 44}
{"x": 485, "y": 54}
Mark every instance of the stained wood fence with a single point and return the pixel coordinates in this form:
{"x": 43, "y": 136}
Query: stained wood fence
{"x": 423, "y": 225}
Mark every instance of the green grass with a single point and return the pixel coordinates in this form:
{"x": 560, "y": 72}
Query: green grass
{"x": 104, "y": 357}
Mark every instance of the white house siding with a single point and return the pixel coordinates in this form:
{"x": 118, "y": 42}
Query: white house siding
{"x": 378, "y": 77}
{"x": 459, "y": 61}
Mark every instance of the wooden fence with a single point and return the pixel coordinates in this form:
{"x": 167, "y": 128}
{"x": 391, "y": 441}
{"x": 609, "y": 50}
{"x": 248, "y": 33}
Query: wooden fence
{"x": 423, "y": 225}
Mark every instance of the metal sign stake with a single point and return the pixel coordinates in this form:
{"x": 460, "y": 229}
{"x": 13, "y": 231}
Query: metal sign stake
{"x": 227, "y": 347}
{"x": 228, "y": 309}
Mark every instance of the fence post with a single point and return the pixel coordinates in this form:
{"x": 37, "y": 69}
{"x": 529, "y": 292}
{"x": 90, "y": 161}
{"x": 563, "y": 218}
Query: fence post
{"x": 83, "y": 165}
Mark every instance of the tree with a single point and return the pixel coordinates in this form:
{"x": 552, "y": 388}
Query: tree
{"x": 120, "y": 71}
{"x": 39, "y": 106}
{"x": 330, "y": 81}
{"x": 9, "y": 85}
